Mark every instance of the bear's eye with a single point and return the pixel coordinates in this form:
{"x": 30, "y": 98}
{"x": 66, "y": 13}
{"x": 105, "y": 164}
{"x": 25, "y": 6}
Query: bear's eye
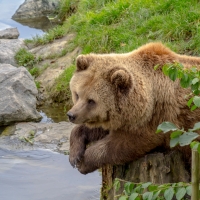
{"x": 91, "y": 101}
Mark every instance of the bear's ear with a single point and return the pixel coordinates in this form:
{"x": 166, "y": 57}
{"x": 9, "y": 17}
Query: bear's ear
{"x": 121, "y": 79}
{"x": 83, "y": 62}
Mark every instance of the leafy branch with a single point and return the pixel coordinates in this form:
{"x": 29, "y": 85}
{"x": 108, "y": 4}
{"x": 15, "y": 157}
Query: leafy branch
{"x": 188, "y": 78}
{"x": 150, "y": 191}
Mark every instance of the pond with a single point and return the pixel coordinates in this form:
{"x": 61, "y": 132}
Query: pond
{"x": 44, "y": 175}
{"x": 8, "y": 8}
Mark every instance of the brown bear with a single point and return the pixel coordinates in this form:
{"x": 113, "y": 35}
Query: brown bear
{"x": 119, "y": 101}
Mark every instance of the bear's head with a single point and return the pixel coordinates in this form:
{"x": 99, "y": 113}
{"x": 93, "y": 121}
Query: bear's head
{"x": 104, "y": 93}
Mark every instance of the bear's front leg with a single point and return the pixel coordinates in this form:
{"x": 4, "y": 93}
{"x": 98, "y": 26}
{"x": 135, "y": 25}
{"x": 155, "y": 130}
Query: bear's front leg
{"x": 118, "y": 148}
{"x": 80, "y": 137}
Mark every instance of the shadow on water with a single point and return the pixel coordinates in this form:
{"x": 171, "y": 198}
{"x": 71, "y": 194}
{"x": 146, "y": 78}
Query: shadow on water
{"x": 44, "y": 175}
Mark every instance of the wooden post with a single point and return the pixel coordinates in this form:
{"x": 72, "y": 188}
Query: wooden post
{"x": 195, "y": 175}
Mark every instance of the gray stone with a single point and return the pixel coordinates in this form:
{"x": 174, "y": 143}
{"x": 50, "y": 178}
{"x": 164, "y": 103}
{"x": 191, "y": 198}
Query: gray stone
{"x": 35, "y": 9}
{"x": 53, "y": 136}
{"x": 18, "y": 95}
{"x": 9, "y": 33}
{"x": 8, "y": 48}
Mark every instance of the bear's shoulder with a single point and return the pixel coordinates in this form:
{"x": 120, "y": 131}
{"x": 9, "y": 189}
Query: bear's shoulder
{"x": 154, "y": 48}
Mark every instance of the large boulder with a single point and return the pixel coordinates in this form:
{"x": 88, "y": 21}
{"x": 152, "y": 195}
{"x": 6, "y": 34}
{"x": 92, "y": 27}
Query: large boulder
{"x": 9, "y": 33}
{"x": 35, "y": 8}
{"x": 8, "y": 49}
{"x": 18, "y": 95}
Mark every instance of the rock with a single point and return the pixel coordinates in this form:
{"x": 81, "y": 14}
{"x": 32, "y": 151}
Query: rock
{"x": 9, "y": 33}
{"x": 18, "y": 95}
{"x": 29, "y": 135}
{"x": 33, "y": 13}
{"x": 35, "y": 9}
{"x": 50, "y": 54}
{"x": 8, "y": 48}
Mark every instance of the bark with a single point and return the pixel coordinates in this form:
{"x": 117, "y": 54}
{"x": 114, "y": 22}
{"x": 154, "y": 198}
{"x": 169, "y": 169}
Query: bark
{"x": 158, "y": 168}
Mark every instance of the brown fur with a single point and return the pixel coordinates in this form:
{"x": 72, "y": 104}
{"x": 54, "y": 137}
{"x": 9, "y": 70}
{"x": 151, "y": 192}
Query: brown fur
{"x": 119, "y": 100}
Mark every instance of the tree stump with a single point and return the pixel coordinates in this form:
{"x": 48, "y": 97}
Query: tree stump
{"x": 158, "y": 168}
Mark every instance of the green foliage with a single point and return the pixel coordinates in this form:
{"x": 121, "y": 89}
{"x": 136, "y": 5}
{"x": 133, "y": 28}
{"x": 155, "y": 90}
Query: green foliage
{"x": 37, "y": 83}
{"x": 150, "y": 191}
{"x": 61, "y": 85}
{"x": 188, "y": 78}
{"x": 24, "y": 58}
{"x": 66, "y": 8}
{"x": 34, "y": 71}
{"x": 123, "y": 25}
{"x": 52, "y": 34}
{"x": 105, "y": 26}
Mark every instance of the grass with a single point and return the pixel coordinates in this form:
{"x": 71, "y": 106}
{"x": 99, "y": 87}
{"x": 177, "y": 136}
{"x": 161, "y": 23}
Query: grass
{"x": 60, "y": 92}
{"x": 24, "y": 58}
{"x": 123, "y": 25}
{"x": 51, "y": 35}
{"x": 104, "y": 26}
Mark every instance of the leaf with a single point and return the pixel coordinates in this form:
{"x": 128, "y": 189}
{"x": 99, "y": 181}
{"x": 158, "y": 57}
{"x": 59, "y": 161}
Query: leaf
{"x": 196, "y": 126}
{"x": 180, "y": 74}
{"x": 193, "y": 107}
{"x": 156, "y": 195}
{"x": 180, "y": 193}
{"x": 128, "y": 187}
{"x": 189, "y": 190}
{"x": 173, "y": 72}
{"x": 174, "y": 142}
{"x": 133, "y": 196}
{"x": 169, "y": 193}
{"x": 187, "y": 138}
{"x": 147, "y": 196}
{"x": 165, "y": 70}
{"x": 196, "y": 101}
{"x": 166, "y": 127}
{"x": 195, "y": 86}
{"x": 175, "y": 134}
{"x": 190, "y": 102}
{"x": 156, "y": 67}
{"x": 152, "y": 188}
{"x": 123, "y": 198}
{"x": 146, "y": 185}
{"x": 137, "y": 189}
{"x": 194, "y": 69}
{"x": 116, "y": 184}
{"x": 185, "y": 81}
{"x": 195, "y": 80}
{"x": 194, "y": 144}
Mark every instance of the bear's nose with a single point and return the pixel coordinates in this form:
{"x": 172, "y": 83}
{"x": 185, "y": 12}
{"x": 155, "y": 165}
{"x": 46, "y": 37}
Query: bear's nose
{"x": 71, "y": 116}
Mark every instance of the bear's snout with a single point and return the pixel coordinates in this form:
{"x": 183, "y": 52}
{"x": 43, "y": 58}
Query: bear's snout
{"x": 71, "y": 117}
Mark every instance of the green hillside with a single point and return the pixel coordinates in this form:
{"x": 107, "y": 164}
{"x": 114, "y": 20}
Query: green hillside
{"x": 104, "y": 26}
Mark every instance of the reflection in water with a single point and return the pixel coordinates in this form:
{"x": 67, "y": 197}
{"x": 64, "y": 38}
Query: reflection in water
{"x": 53, "y": 113}
{"x": 8, "y": 8}
{"x": 44, "y": 175}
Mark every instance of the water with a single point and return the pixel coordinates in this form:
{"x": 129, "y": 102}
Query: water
{"x": 53, "y": 113}
{"x": 8, "y": 8}
{"x": 44, "y": 175}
